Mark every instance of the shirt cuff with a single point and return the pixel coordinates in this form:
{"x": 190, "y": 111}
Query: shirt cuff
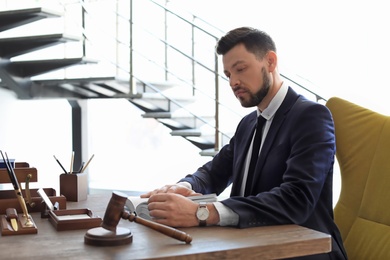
{"x": 185, "y": 184}
{"x": 227, "y": 217}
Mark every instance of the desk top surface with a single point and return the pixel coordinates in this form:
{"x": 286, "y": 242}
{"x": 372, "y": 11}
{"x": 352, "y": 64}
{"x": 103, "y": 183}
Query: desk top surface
{"x": 214, "y": 242}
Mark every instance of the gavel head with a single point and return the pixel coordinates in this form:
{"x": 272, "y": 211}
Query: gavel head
{"x": 114, "y": 210}
{"x": 109, "y": 234}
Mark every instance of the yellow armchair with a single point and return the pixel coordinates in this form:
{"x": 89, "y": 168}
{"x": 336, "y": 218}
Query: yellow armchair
{"x": 362, "y": 212}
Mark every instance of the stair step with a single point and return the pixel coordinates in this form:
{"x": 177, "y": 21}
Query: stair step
{"x": 172, "y": 124}
{"x": 97, "y": 89}
{"x": 209, "y": 152}
{"x": 184, "y": 117}
{"x": 160, "y": 86}
{"x": 145, "y": 106}
{"x": 72, "y": 87}
{"x": 13, "y": 18}
{"x": 78, "y": 92}
{"x": 200, "y": 142}
{"x": 67, "y": 91}
{"x": 100, "y": 89}
{"x": 181, "y": 112}
{"x": 187, "y": 132}
{"x": 166, "y": 103}
{"x": 14, "y": 46}
{"x": 168, "y": 114}
{"x": 158, "y": 96}
{"x": 35, "y": 67}
{"x": 119, "y": 89}
{"x": 55, "y": 82}
{"x": 157, "y": 115}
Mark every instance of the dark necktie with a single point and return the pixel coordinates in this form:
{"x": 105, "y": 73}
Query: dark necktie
{"x": 255, "y": 154}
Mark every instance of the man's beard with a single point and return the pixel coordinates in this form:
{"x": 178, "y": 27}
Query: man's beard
{"x": 255, "y": 99}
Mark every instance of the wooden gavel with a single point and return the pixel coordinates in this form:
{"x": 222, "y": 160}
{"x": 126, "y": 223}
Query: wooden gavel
{"x": 114, "y": 212}
{"x": 166, "y": 230}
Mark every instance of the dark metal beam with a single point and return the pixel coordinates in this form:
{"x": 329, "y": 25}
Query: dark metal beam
{"x": 76, "y": 133}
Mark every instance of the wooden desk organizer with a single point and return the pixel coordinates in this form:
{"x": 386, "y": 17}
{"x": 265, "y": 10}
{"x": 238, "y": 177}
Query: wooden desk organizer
{"x": 7, "y": 230}
{"x": 24, "y": 173}
{"x": 71, "y": 219}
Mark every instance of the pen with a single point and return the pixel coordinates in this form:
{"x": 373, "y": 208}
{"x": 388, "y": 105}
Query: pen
{"x": 86, "y": 165}
{"x": 71, "y": 163}
{"x": 60, "y": 165}
{"x": 18, "y": 192}
{"x": 81, "y": 167}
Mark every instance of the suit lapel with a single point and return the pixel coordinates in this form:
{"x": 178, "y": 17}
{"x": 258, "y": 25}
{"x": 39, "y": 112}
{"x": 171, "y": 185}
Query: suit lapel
{"x": 277, "y": 122}
{"x": 242, "y": 153}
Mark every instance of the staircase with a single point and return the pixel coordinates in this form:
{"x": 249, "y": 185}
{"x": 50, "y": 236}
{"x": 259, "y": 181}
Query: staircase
{"x": 186, "y": 107}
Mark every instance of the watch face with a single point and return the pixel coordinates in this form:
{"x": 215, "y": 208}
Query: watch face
{"x": 202, "y": 213}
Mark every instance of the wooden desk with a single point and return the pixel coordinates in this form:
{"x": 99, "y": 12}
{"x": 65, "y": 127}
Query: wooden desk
{"x": 273, "y": 242}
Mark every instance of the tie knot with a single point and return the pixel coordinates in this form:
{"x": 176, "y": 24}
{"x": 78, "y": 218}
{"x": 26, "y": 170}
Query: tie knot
{"x": 261, "y": 120}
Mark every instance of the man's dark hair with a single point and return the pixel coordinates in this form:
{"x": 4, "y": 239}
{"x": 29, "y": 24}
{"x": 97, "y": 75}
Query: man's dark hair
{"x": 255, "y": 41}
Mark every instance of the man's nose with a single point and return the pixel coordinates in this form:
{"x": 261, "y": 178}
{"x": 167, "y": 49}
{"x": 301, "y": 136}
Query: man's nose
{"x": 234, "y": 82}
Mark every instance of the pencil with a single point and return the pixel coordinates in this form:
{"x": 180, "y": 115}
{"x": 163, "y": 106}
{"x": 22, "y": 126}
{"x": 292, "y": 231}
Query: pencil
{"x": 86, "y": 165}
{"x": 71, "y": 163}
{"x": 60, "y": 164}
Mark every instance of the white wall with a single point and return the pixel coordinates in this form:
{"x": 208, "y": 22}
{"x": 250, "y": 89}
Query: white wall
{"x": 134, "y": 153}
{"x": 131, "y": 153}
{"x": 33, "y": 131}
{"x": 340, "y": 46}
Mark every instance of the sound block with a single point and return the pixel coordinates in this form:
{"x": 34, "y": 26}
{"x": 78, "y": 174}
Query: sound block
{"x": 103, "y": 237}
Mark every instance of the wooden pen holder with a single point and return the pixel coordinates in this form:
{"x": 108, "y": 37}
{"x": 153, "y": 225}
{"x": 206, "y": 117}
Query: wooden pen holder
{"x": 74, "y": 186}
{"x": 23, "y": 228}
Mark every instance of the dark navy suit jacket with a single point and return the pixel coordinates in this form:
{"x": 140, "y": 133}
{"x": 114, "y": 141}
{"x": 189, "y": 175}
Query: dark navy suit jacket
{"x": 293, "y": 177}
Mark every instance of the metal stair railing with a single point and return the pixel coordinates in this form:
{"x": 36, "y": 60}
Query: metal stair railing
{"x": 196, "y": 62}
{"x": 218, "y": 132}
{"x": 192, "y": 58}
{"x": 214, "y": 70}
{"x": 189, "y": 56}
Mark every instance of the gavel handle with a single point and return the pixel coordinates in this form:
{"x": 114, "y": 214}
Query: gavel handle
{"x": 166, "y": 230}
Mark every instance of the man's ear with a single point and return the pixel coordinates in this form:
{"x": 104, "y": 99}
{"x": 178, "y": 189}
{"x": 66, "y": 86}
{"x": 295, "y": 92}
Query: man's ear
{"x": 272, "y": 60}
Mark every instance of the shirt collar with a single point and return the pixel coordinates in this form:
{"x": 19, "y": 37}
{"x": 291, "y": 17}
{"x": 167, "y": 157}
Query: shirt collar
{"x": 275, "y": 103}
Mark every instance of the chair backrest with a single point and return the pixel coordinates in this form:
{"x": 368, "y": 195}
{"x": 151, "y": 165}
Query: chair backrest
{"x": 362, "y": 212}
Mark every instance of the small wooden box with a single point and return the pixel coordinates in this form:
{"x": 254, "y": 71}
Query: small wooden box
{"x": 74, "y": 186}
{"x": 71, "y": 219}
{"x": 22, "y": 170}
{"x": 8, "y": 199}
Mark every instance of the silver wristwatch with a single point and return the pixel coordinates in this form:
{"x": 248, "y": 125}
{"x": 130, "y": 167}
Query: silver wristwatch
{"x": 202, "y": 213}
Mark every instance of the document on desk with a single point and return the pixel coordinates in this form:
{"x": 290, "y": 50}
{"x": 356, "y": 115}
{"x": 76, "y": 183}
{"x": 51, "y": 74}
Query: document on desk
{"x": 72, "y": 217}
{"x": 140, "y": 205}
